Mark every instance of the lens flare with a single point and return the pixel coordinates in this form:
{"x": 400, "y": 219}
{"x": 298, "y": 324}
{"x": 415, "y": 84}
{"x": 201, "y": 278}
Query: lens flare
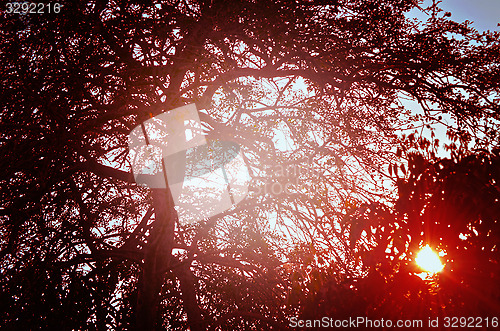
{"x": 429, "y": 260}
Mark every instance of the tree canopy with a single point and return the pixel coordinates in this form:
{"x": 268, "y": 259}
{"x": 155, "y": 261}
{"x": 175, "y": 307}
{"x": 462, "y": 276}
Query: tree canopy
{"x": 345, "y": 185}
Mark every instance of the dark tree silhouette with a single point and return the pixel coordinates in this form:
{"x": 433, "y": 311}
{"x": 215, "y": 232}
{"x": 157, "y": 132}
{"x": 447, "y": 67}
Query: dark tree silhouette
{"x": 450, "y": 204}
{"x": 84, "y": 247}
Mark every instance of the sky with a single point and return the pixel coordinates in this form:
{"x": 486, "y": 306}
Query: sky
{"x": 484, "y": 13}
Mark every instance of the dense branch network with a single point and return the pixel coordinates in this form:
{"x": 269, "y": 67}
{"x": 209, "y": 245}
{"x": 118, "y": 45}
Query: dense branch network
{"x": 310, "y": 91}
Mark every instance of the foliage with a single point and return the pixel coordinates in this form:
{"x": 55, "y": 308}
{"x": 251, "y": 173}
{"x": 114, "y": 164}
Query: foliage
{"x": 84, "y": 247}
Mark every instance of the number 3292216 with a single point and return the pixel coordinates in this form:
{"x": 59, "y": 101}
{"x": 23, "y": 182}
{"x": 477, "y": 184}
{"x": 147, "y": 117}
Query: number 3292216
{"x": 32, "y": 7}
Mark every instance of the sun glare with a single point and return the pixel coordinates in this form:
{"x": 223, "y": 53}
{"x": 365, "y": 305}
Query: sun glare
{"x": 429, "y": 260}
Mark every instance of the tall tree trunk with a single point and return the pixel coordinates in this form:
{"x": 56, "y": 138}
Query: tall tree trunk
{"x": 190, "y": 302}
{"x": 156, "y": 259}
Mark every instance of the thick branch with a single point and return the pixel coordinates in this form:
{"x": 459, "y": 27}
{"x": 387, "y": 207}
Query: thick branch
{"x": 189, "y": 300}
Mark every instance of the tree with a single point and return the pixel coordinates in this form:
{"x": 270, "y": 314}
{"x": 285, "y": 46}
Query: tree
{"x": 84, "y": 247}
{"x": 450, "y": 204}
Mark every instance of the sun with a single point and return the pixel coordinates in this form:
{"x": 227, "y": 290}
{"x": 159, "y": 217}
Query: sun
{"x": 428, "y": 260}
